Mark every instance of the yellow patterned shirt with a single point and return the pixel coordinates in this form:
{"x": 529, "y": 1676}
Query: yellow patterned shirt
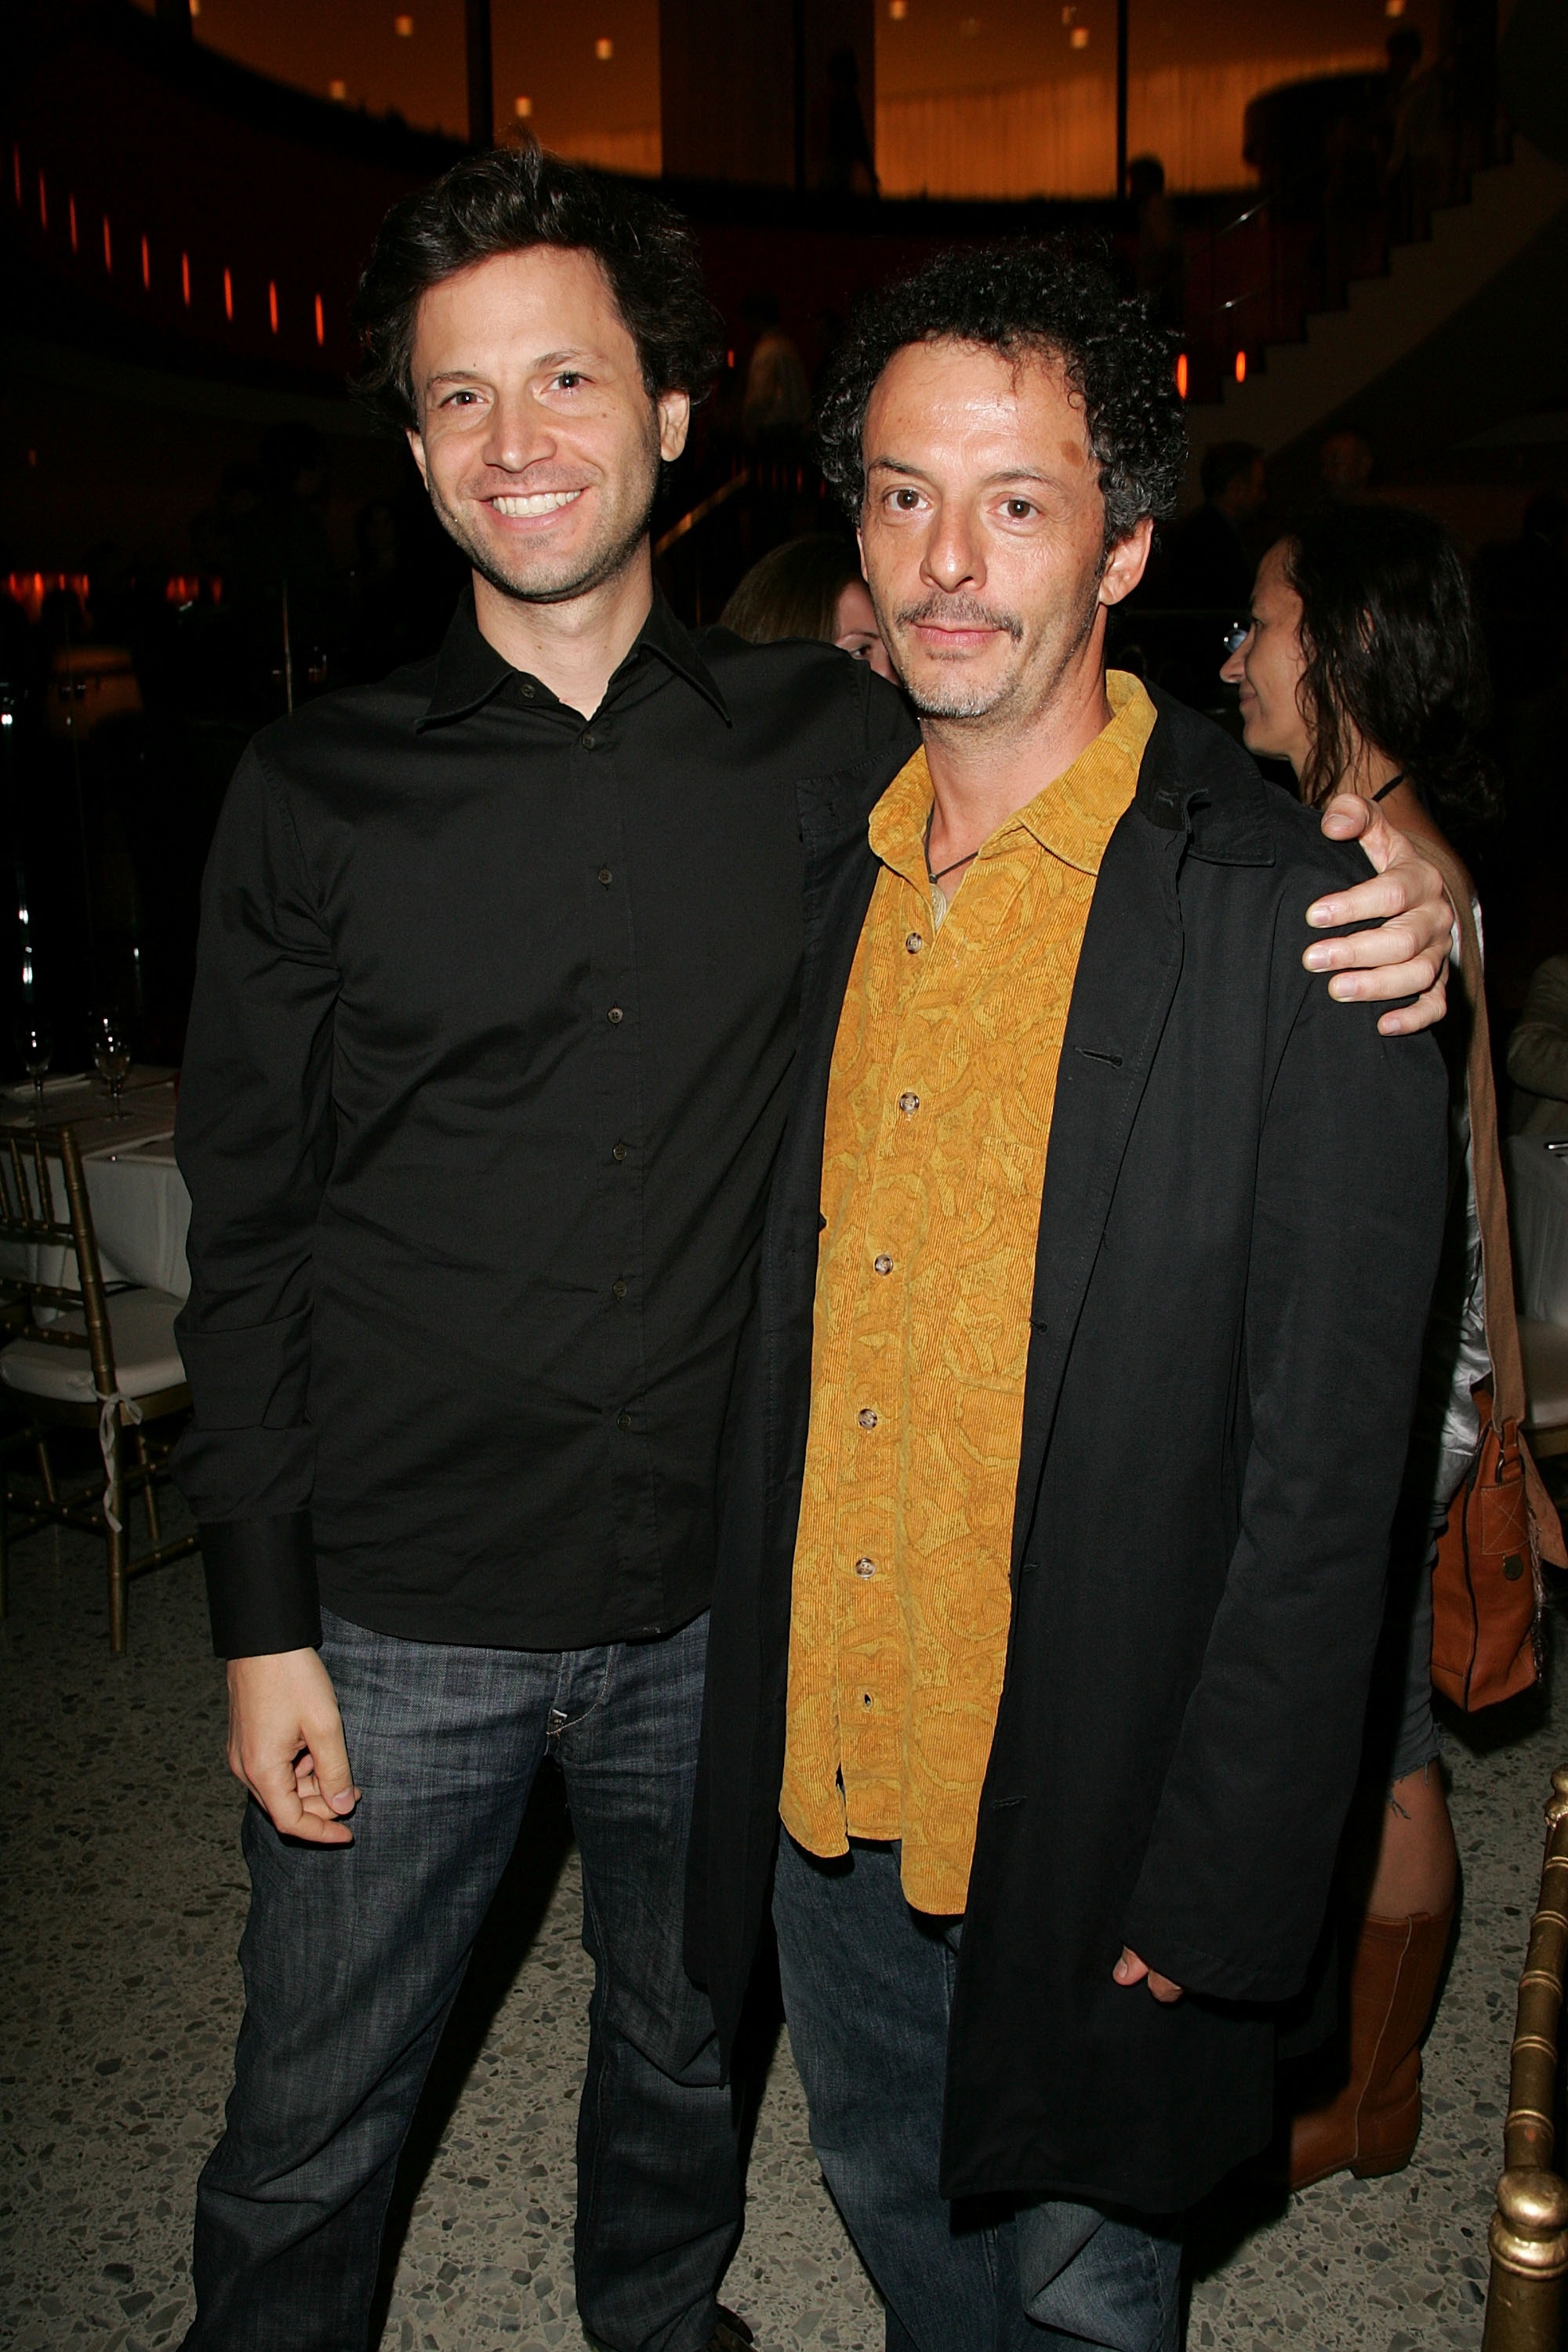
{"x": 939, "y": 1111}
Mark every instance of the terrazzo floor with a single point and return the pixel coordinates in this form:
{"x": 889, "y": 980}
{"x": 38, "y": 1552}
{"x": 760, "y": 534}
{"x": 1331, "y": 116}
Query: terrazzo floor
{"x": 123, "y": 1905}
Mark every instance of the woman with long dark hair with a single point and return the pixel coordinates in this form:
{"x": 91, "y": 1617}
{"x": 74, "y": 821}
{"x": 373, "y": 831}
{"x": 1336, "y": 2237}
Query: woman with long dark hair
{"x": 1364, "y": 668}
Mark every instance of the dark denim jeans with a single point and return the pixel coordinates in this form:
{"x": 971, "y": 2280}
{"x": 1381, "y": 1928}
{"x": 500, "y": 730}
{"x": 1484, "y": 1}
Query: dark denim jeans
{"x": 353, "y": 1955}
{"x": 868, "y": 1988}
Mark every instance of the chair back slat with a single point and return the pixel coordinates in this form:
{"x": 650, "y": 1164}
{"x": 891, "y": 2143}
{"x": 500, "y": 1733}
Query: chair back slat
{"x": 30, "y": 1220}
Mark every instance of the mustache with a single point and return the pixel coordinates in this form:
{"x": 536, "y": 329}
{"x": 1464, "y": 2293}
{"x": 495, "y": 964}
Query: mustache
{"x": 959, "y": 613}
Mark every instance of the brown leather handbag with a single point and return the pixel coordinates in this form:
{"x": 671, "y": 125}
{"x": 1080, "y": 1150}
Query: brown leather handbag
{"x": 1485, "y": 1586}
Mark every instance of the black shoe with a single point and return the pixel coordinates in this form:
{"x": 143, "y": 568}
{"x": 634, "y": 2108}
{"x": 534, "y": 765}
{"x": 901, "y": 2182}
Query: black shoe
{"x": 731, "y": 2335}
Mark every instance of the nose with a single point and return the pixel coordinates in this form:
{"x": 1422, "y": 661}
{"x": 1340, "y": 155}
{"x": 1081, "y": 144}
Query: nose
{"x": 521, "y": 433}
{"x": 1234, "y": 668}
{"x": 953, "y": 559}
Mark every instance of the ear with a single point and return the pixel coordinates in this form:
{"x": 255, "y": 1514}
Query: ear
{"x": 674, "y": 424}
{"x": 1126, "y": 563}
{"x": 417, "y": 446}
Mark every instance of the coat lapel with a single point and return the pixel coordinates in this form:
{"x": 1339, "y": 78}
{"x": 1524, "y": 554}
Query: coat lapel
{"x": 1127, "y": 975}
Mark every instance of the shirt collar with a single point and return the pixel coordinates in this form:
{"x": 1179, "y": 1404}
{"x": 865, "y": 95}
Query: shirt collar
{"x": 1073, "y": 817}
{"x": 471, "y": 671}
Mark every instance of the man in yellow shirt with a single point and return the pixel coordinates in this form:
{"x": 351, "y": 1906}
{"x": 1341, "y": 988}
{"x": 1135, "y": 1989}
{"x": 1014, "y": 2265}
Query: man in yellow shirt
{"x": 1054, "y": 1567}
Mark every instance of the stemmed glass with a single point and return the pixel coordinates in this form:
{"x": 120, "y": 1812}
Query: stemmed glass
{"x": 111, "y": 1058}
{"x": 35, "y": 1045}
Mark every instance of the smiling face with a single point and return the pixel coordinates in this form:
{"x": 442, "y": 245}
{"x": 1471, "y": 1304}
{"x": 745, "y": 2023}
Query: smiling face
{"x": 983, "y": 532}
{"x": 1267, "y": 668}
{"x": 537, "y": 439}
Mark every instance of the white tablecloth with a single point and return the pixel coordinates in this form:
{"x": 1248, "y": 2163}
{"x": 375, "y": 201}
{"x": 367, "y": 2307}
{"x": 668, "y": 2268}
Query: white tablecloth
{"x": 141, "y": 1209}
{"x": 1538, "y": 1214}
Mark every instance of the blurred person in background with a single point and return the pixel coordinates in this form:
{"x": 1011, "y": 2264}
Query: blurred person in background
{"x": 775, "y": 412}
{"x": 1538, "y": 1054}
{"x": 1161, "y": 267}
{"x": 1363, "y": 667}
{"x": 1345, "y": 465}
{"x": 1212, "y": 566}
{"x": 809, "y": 587}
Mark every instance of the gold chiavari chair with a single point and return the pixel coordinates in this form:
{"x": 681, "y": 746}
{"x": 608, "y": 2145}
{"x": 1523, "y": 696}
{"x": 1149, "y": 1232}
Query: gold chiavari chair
{"x": 81, "y": 1358}
{"x": 1527, "y": 2300}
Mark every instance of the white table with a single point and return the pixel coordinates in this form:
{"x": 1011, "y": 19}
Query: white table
{"x": 141, "y": 1209}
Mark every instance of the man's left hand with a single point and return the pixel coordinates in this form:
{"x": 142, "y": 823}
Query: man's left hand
{"x": 1408, "y": 954}
{"x": 1131, "y": 1971}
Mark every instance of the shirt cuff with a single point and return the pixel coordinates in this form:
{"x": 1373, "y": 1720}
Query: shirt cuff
{"x": 261, "y": 1585}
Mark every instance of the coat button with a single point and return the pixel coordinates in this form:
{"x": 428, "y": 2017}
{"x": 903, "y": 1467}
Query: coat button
{"x": 618, "y": 1151}
{"x": 605, "y": 877}
{"x": 867, "y": 1418}
{"x": 865, "y": 1568}
{"x": 913, "y": 943}
{"x": 619, "y": 1288}
{"x": 883, "y": 1265}
{"x": 616, "y": 1016}
{"x": 623, "y": 1421}
{"x": 587, "y": 742}
{"x": 909, "y": 1104}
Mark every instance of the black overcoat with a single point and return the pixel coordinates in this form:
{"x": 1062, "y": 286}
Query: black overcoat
{"x": 1239, "y": 1233}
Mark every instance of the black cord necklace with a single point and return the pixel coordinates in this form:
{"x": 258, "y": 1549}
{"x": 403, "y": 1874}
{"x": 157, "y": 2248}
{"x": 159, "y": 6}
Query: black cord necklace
{"x": 943, "y": 870}
{"x": 1388, "y": 787}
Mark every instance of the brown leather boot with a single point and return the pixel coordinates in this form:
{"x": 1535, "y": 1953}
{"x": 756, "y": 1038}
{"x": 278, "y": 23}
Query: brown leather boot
{"x": 1370, "y": 2125}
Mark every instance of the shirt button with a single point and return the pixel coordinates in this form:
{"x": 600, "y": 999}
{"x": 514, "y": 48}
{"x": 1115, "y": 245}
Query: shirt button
{"x": 604, "y": 876}
{"x": 867, "y": 1418}
{"x": 525, "y": 690}
{"x": 619, "y": 1288}
{"x": 865, "y": 1568}
{"x": 883, "y": 1265}
{"x": 913, "y": 942}
{"x": 618, "y": 1151}
{"x": 587, "y": 742}
{"x": 616, "y": 1016}
{"x": 623, "y": 1421}
{"x": 909, "y": 1104}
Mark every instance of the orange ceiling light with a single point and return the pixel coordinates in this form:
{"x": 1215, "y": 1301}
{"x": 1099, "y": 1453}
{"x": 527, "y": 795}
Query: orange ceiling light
{"x": 1241, "y": 367}
{"x": 1180, "y": 375}
{"x": 186, "y": 278}
{"x": 272, "y": 302}
{"x": 321, "y": 322}
{"x": 227, "y": 295}
{"x": 71, "y": 216}
{"x": 146, "y": 269}
{"x": 108, "y": 245}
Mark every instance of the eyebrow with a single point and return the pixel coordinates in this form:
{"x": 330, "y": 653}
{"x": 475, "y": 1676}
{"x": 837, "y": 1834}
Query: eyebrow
{"x": 468, "y": 375}
{"x": 1008, "y": 474}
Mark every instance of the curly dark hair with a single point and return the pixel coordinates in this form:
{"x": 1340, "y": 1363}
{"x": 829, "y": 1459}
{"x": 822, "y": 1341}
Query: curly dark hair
{"x": 1394, "y": 652}
{"x": 1050, "y": 295}
{"x": 505, "y": 202}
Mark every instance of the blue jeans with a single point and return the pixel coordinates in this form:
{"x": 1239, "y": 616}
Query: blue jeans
{"x": 353, "y": 1957}
{"x": 868, "y": 1989}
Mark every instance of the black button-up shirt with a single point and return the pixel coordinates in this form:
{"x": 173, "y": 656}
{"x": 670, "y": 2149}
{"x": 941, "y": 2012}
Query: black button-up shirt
{"x": 488, "y": 1063}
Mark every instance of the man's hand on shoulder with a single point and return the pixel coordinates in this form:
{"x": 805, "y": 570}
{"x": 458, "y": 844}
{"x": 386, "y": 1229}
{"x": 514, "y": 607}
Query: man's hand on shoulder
{"x": 1407, "y": 955}
{"x": 286, "y": 1744}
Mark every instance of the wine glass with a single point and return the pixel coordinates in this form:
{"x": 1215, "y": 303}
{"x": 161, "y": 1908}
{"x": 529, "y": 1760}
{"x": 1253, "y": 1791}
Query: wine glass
{"x": 111, "y": 1058}
{"x": 35, "y": 1045}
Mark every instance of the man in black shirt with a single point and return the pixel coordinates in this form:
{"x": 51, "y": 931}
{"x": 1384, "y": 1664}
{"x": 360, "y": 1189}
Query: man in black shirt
{"x": 488, "y": 1065}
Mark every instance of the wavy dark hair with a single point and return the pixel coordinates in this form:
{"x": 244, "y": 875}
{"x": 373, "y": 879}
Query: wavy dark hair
{"x": 1047, "y": 295}
{"x": 504, "y": 201}
{"x": 794, "y": 590}
{"x": 1394, "y": 652}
